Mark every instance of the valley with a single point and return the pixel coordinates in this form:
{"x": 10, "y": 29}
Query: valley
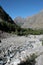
{"x": 21, "y": 40}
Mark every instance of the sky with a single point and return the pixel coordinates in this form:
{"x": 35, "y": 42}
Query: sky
{"x": 22, "y": 8}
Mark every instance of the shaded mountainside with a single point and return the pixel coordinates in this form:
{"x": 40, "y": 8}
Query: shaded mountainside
{"x": 34, "y": 22}
{"x": 4, "y": 16}
{"x": 6, "y": 22}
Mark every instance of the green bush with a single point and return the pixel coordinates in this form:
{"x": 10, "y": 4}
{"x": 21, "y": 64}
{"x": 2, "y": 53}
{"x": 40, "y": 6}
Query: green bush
{"x": 0, "y": 41}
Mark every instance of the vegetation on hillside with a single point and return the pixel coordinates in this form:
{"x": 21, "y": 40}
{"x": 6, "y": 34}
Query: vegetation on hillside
{"x": 6, "y": 23}
{"x": 30, "y": 31}
{"x": 8, "y": 27}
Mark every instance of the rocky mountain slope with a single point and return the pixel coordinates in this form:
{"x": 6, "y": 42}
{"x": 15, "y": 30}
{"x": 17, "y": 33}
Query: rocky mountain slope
{"x": 35, "y": 22}
{"x": 17, "y": 49}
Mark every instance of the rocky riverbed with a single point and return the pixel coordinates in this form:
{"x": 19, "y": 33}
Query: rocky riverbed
{"x": 15, "y": 49}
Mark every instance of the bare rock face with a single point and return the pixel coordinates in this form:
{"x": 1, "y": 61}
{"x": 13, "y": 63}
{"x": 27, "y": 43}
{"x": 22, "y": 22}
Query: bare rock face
{"x": 39, "y": 60}
{"x": 34, "y": 22}
{"x": 19, "y": 21}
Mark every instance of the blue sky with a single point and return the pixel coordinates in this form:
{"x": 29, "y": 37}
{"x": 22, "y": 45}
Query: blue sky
{"x": 23, "y": 8}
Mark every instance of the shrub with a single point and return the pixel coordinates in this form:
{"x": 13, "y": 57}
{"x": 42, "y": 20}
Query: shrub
{"x": 29, "y": 61}
{"x": 0, "y": 41}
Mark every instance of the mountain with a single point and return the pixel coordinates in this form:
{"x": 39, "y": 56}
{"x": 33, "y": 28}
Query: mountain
{"x": 34, "y": 22}
{"x": 5, "y": 16}
{"x": 19, "y": 21}
{"x": 6, "y": 22}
